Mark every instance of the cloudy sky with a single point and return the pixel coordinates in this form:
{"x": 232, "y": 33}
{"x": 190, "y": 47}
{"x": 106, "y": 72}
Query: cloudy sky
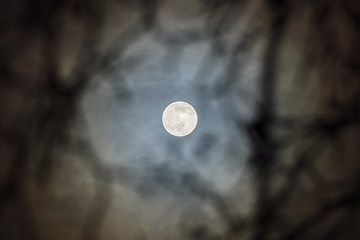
{"x": 85, "y": 155}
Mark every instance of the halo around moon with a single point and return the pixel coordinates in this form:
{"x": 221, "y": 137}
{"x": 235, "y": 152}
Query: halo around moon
{"x": 179, "y": 119}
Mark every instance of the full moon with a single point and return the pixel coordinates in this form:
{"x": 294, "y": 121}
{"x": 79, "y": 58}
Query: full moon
{"x": 179, "y": 119}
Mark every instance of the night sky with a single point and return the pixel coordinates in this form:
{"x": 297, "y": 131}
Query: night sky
{"x": 83, "y": 151}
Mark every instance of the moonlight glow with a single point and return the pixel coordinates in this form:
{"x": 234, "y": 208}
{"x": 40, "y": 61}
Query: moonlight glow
{"x": 179, "y": 119}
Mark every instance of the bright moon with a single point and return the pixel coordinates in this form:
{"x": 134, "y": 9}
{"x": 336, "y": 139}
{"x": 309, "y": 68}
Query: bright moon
{"x": 179, "y": 119}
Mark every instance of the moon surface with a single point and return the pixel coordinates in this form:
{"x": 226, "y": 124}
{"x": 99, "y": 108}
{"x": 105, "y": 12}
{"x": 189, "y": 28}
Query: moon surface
{"x": 179, "y": 119}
